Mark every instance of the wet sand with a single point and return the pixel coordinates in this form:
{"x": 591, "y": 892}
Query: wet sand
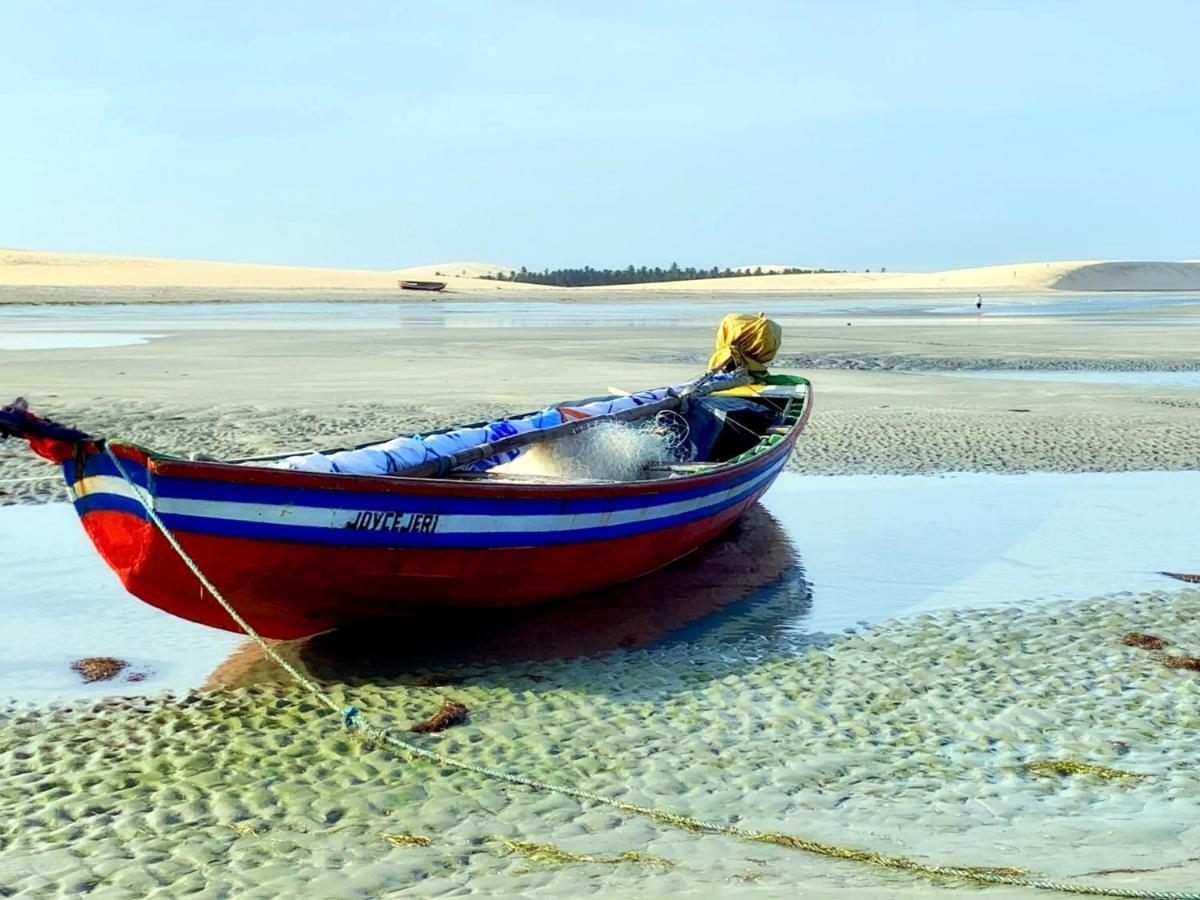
{"x": 906, "y": 737}
{"x": 224, "y": 391}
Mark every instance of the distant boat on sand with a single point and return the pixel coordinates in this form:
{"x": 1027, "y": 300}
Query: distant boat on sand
{"x": 423, "y": 285}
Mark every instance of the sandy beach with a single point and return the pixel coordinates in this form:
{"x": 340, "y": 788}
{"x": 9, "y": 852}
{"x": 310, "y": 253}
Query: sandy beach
{"x": 906, "y": 737}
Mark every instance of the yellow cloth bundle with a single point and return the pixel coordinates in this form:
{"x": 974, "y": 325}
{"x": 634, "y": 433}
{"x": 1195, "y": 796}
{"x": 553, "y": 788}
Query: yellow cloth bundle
{"x": 750, "y": 341}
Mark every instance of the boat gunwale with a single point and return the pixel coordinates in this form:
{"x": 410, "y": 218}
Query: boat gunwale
{"x": 234, "y": 473}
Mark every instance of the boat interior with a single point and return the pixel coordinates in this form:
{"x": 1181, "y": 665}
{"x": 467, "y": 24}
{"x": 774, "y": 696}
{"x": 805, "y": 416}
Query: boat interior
{"x": 717, "y": 430}
{"x": 709, "y": 432}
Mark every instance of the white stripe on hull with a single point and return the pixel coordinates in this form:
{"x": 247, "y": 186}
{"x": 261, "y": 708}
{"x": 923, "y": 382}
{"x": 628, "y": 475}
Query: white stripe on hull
{"x": 103, "y": 484}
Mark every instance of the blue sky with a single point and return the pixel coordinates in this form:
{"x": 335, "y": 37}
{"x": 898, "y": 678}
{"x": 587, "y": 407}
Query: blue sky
{"x": 912, "y": 135}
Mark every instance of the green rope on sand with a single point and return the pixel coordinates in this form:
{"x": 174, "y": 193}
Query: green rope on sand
{"x": 553, "y": 855}
{"x": 352, "y": 718}
{"x": 1072, "y": 767}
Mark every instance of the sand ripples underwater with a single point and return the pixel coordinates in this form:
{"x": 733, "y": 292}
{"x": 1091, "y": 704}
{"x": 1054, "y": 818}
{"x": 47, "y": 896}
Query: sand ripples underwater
{"x": 913, "y": 738}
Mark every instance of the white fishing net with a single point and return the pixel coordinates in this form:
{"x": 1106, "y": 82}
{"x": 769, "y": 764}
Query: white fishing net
{"x": 608, "y": 451}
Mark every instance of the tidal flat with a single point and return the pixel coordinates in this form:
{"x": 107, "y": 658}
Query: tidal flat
{"x": 914, "y": 647}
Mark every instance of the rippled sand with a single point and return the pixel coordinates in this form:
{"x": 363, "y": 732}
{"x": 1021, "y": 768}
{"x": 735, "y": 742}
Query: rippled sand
{"x": 905, "y": 738}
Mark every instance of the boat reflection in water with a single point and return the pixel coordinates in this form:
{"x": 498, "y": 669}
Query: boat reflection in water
{"x": 747, "y": 585}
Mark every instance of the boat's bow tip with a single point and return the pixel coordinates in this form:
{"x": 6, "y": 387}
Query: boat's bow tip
{"x": 12, "y": 416}
{"x": 47, "y": 438}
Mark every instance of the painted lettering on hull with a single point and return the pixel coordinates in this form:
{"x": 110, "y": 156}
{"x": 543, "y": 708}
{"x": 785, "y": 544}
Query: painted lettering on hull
{"x": 390, "y": 520}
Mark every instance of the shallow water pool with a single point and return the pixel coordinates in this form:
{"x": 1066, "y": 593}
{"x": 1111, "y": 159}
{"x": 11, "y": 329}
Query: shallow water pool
{"x": 69, "y": 340}
{"x": 574, "y": 311}
{"x": 821, "y": 554}
{"x": 875, "y": 547}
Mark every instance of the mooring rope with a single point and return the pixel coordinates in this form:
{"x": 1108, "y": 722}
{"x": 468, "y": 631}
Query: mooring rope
{"x": 353, "y": 718}
{"x": 26, "y": 480}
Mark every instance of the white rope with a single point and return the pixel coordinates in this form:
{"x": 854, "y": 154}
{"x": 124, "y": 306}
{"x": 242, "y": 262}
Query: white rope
{"x": 29, "y": 480}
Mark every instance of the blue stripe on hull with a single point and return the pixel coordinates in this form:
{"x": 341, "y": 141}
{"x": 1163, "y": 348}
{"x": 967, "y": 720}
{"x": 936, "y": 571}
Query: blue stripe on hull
{"x": 109, "y": 503}
{"x": 100, "y": 464}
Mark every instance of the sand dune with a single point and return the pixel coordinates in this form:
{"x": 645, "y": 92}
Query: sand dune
{"x": 442, "y": 271}
{"x": 1132, "y": 276}
{"x": 28, "y": 268}
{"x": 1023, "y": 278}
{"x": 35, "y": 269}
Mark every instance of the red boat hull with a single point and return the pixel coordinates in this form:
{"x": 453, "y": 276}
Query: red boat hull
{"x": 285, "y": 590}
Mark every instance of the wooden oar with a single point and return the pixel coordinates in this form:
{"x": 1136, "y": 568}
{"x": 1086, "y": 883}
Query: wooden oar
{"x": 698, "y": 388}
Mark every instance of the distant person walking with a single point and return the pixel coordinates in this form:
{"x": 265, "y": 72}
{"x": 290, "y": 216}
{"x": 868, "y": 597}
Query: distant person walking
{"x": 979, "y": 303}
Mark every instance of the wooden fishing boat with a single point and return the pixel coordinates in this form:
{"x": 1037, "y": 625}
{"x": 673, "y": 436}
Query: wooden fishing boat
{"x": 423, "y": 285}
{"x": 299, "y": 552}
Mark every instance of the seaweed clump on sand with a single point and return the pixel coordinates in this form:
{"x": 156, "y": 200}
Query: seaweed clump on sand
{"x": 406, "y": 840}
{"x": 450, "y": 713}
{"x": 1191, "y": 663}
{"x": 553, "y": 855}
{"x": 1065, "y": 767}
{"x": 1145, "y": 641}
{"x": 99, "y": 668}
{"x": 1153, "y": 642}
